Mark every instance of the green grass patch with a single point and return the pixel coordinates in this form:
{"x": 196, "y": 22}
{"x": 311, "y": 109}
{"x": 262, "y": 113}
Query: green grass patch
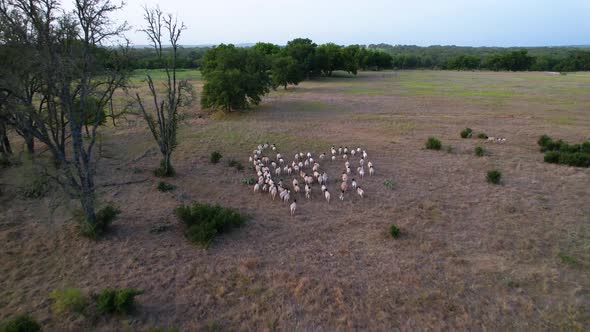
{"x": 21, "y": 323}
{"x": 120, "y": 301}
{"x": 68, "y": 300}
{"x": 566, "y": 259}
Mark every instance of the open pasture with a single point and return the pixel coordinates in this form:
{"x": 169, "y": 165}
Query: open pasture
{"x": 471, "y": 255}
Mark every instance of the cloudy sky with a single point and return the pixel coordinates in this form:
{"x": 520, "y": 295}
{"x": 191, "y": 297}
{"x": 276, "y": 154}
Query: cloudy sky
{"x": 418, "y": 22}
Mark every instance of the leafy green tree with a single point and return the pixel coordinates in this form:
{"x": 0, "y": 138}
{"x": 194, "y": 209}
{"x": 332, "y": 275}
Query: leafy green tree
{"x": 285, "y": 70}
{"x": 303, "y": 51}
{"x": 328, "y": 57}
{"x": 351, "y": 58}
{"x": 235, "y": 78}
{"x": 266, "y": 48}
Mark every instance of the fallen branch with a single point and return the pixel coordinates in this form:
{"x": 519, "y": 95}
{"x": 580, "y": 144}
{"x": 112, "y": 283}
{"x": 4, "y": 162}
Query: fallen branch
{"x": 122, "y": 183}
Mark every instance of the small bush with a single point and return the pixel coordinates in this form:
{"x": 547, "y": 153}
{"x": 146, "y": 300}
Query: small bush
{"x": 22, "y": 323}
{"x": 482, "y": 136}
{"x": 577, "y": 159}
{"x": 205, "y": 221}
{"x": 394, "y": 231}
{"x": 494, "y": 176}
{"x": 389, "y": 184}
{"x": 561, "y": 152}
{"x": 215, "y": 157}
{"x": 467, "y": 132}
{"x": 119, "y": 301}
{"x": 163, "y": 186}
{"x": 569, "y": 260}
{"x": 433, "y": 143}
{"x": 5, "y": 162}
{"x": 68, "y": 299}
{"x": 544, "y": 141}
{"x": 248, "y": 181}
{"x": 479, "y": 151}
{"x": 234, "y": 163}
{"x": 552, "y": 157}
{"x": 104, "y": 218}
{"x": 36, "y": 189}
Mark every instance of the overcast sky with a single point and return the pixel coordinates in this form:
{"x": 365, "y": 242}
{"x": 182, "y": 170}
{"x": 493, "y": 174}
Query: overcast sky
{"x": 417, "y": 22}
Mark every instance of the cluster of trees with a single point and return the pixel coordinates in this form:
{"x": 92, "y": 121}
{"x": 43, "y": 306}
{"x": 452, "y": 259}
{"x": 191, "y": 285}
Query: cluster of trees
{"x": 236, "y": 77}
{"x": 487, "y": 58}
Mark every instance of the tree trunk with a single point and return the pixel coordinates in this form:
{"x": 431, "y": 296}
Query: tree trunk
{"x": 167, "y": 164}
{"x": 30, "y": 142}
{"x": 89, "y": 224}
{"x": 5, "y": 148}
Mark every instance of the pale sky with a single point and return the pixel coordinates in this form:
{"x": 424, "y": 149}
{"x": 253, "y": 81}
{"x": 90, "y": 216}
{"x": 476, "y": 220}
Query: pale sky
{"x": 415, "y": 22}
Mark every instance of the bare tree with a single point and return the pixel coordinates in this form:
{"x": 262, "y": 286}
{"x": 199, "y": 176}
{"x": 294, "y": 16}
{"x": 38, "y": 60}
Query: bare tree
{"x": 177, "y": 93}
{"x": 72, "y": 76}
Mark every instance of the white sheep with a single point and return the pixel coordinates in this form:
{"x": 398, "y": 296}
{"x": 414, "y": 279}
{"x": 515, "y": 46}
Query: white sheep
{"x": 327, "y": 195}
{"x": 371, "y": 171}
{"x": 353, "y": 184}
{"x": 293, "y": 207}
{"x": 360, "y": 192}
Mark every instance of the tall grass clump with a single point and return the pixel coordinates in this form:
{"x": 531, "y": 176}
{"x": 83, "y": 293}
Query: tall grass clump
{"x": 68, "y": 299}
{"x": 433, "y": 143}
{"x": 561, "y": 152}
{"x": 479, "y": 151}
{"x": 215, "y": 157}
{"x": 234, "y": 163}
{"x": 394, "y": 231}
{"x": 21, "y": 323}
{"x": 466, "y": 133}
{"x": 164, "y": 186}
{"x": 205, "y": 221}
{"x": 164, "y": 171}
{"x": 494, "y": 176}
{"x": 482, "y": 136}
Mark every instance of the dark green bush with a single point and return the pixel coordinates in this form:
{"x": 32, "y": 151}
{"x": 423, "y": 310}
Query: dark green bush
{"x": 104, "y": 218}
{"x": 119, "y": 301}
{"x": 494, "y": 176}
{"x": 22, "y": 323}
{"x": 482, "y": 136}
{"x": 479, "y": 151}
{"x": 467, "y": 132}
{"x": 394, "y": 231}
{"x": 68, "y": 299}
{"x": 215, "y": 157}
{"x": 5, "y": 162}
{"x": 433, "y": 144}
{"x": 560, "y": 152}
{"x": 234, "y": 163}
{"x": 205, "y": 221}
{"x": 163, "y": 186}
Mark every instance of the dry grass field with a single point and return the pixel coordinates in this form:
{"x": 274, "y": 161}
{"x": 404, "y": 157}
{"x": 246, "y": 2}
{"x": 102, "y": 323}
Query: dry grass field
{"x": 472, "y": 255}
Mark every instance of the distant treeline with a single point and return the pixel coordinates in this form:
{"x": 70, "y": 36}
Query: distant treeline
{"x": 384, "y": 56}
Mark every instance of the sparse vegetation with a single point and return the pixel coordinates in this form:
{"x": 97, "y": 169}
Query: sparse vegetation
{"x": 22, "y": 323}
{"x": 394, "y": 231}
{"x": 566, "y": 259}
{"x": 234, "y": 163}
{"x": 561, "y": 152}
{"x": 215, "y": 157}
{"x": 389, "y": 184}
{"x": 104, "y": 218}
{"x": 164, "y": 186}
{"x": 466, "y": 133}
{"x": 68, "y": 300}
{"x": 433, "y": 144}
{"x": 204, "y": 221}
{"x": 479, "y": 151}
{"x": 494, "y": 176}
{"x": 37, "y": 188}
{"x": 120, "y": 301}
{"x": 248, "y": 181}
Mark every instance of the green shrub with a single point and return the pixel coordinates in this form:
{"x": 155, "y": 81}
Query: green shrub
{"x": 22, "y": 323}
{"x": 119, "y": 301}
{"x": 204, "y": 221}
{"x": 494, "y": 176}
{"x": 552, "y": 157}
{"x": 479, "y": 151}
{"x": 104, "y": 218}
{"x": 577, "y": 159}
{"x": 433, "y": 144}
{"x": 389, "y": 184}
{"x": 569, "y": 260}
{"x": 68, "y": 299}
{"x": 544, "y": 141}
{"x": 482, "y": 136}
{"x": 234, "y": 163}
{"x": 467, "y": 132}
{"x": 163, "y": 186}
{"x": 249, "y": 181}
{"x": 5, "y": 162}
{"x": 394, "y": 231}
{"x": 35, "y": 189}
{"x": 215, "y": 157}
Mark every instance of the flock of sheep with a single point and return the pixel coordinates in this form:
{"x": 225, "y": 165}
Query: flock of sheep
{"x": 308, "y": 169}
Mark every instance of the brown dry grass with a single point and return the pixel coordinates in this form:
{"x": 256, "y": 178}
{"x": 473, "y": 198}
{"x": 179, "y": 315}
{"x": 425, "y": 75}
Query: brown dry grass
{"x": 472, "y": 255}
